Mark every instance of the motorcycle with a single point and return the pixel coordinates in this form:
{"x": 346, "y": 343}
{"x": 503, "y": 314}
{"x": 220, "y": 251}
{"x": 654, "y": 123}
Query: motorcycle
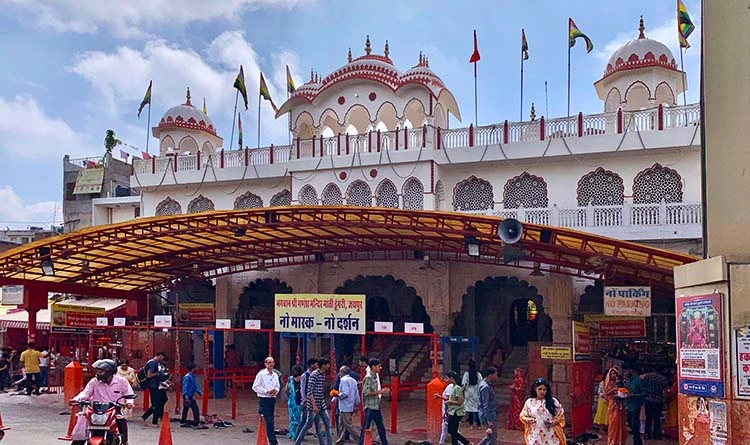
{"x": 101, "y": 421}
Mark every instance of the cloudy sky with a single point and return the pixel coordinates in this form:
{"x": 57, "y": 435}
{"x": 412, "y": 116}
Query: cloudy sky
{"x": 74, "y": 68}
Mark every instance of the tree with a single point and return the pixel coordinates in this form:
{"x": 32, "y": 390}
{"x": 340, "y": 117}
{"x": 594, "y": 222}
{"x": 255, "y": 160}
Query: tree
{"x": 110, "y": 142}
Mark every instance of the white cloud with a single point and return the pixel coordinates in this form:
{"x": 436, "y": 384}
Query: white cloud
{"x": 26, "y": 131}
{"x": 134, "y": 18}
{"x": 16, "y": 214}
{"x": 120, "y": 77}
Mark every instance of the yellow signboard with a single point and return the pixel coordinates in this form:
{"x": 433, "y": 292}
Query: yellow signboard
{"x": 73, "y": 318}
{"x": 556, "y": 352}
{"x": 89, "y": 180}
{"x": 320, "y": 313}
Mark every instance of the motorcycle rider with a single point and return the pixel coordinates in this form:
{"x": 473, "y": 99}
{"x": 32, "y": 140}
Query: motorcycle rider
{"x": 107, "y": 387}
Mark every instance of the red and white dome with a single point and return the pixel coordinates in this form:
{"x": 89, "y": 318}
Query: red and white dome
{"x": 638, "y": 53}
{"x": 187, "y": 116}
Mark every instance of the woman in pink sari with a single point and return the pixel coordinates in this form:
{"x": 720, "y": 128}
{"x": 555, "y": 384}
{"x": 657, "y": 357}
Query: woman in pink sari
{"x": 516, "y": 401}
{"x": 617, "y": 432}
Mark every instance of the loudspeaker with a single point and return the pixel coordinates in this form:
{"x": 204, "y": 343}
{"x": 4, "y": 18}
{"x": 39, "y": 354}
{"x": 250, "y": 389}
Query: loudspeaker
{"x": 545, "y": 236}
{"x": 510, "y": 231}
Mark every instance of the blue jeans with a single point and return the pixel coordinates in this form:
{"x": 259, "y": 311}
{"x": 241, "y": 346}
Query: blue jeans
{"x": 373, "y": 415}
{"x": 313, "y": 418}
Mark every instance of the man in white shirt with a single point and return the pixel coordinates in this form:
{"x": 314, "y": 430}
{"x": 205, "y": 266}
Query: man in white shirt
{"x": 266, "y": 386}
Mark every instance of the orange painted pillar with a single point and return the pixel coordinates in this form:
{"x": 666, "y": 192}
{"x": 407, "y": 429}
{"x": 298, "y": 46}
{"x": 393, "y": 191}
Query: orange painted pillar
{"x": 434, "y": 407}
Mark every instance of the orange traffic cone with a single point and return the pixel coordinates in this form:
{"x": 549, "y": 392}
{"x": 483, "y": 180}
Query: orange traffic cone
{"x": 71, "y": 423}
{"x": 368, "y": 437}
{"x": 262, "y": 438}
{"x": 165, "y": 434}
{"x": 2, "y": 426}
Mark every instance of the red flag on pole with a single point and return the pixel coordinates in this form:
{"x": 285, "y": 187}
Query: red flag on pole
{"x": 475, "y": 57}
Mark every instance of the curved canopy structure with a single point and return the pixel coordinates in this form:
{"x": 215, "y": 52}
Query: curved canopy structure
{"x": 142, "y": 255}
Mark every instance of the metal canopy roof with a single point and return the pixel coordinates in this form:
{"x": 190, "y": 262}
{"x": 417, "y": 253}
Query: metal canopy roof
{"x": 127, "y": 259}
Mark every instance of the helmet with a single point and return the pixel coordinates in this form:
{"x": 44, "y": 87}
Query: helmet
{"x": 108, "y": 366}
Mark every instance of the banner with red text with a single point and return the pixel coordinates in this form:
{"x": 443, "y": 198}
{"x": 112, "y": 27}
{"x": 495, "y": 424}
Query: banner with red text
{"x": 72, "y": 318}
{"x": 320, "y": 313}
{"x": 581, "y": 342}
{"x": 606, "y": 327}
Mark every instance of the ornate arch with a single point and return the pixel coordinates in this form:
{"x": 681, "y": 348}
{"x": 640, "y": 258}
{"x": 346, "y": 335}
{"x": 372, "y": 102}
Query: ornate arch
{"x": 304, "y": 117}
{"x": 359, "y": 194}
{"x": 332, "y": 195}
{"x": 525, "y": 190}
{"x": 413, "y": 194}
{"x": 248, "y": 200}
{"x": 439, "y": 195}
{"x": 188, "y": 143}
{"x": 473, "y": 194}
{"x": 207, "y": 148}
{"x": 635, "y": 86}
{"x": 415, "y": 111}
{"x": 664, "y": 94}
{"x": 656, "y": 184}
{"x": 600, "y": 188}
{"x": 613, "y": 100}
{"x": 388, "y": 115}
{"x": 166, "y": 143}
{"x": 168, "y": 207}
{"x": 283, "y": 198}
{"x": 359, "y": 116}
{"x": 386, "y": 194}
{"x": 200, "y": 204}
{"x": 308, "y": 196}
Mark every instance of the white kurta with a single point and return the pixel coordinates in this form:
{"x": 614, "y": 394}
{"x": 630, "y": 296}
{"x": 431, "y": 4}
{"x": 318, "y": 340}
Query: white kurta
{"x": 538, "y": 432}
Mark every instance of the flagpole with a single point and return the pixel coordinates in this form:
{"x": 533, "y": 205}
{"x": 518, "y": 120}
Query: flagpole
{"x": 234, "y": 113}
{"x": 520, "y": 119}
{"x": 289, "y": 126}
{"x": 568, "y": 79}
{"x": 476, "y": 118}
{"x": 148, "y": 125}
{"x": 684, "y": 89}
{"x": 546, "y": 100}
{"x": 258, "y": 120}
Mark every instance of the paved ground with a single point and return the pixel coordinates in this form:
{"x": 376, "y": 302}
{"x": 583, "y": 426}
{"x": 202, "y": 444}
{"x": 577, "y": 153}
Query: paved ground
{"x": 37, "y": 420}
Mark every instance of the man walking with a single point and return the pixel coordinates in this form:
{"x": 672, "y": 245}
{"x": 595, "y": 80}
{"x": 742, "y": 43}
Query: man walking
{"x": 654, "y": 385}
{"x": 155, "y": 376}
{"x": 348, "y": 401}
{"x": 488, "y": 406}
{"x": 371, "y": 394}
{"x": 30, "y": 360}
{"x": 189, "y": 390}
{"x": 633, "y": 403}
{"x": 267, "y": 386}
{"x": 312, "y": 365}
{"x": 316, "y": 404}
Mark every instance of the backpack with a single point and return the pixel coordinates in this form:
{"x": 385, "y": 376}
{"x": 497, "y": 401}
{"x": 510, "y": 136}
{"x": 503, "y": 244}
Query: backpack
{"x": 142, "y": 375}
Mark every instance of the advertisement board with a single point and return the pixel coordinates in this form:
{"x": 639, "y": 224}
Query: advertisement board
{"x": 320, "y": 313}
{"x": 699, "y": 345}
{"x": 581, "y": 342}
{"x": 197, "y": 314}
{"x": 72, "y": 318}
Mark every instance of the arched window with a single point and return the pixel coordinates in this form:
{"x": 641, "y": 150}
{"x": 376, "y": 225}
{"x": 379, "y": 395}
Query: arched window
{"x": 525, "y": 190}
{"x": 283, "y": 198}
{"x": 657, "y": 184}
{"x": 600, "y": 188}
{"x": 439, "y": 195}
{"x": 473, "y": 194}
{"x": 332, "y": 195}
{"x": 359, "y": 194}
{"x": 188, "y": 145}
{"x": 200, "y": 204}
{"x": 167, "y": 145}
{"x": 168, "y": 207}
{"x": 413, "y": 194}
{"x": 386, "y": 195}
{"x": 308, "y": 196}
{"x": 248, "y": 200}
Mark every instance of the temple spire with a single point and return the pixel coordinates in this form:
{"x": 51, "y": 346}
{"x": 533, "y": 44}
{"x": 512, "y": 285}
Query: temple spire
{"x": 387, "y": 50}
{"x": 641, "y": 28}
{"x": 533, "y": 112}
{"x": 349, "y": 56}
{"x": 368, "y": 48}
{"x": 421, "y": 60}
{"x": 187, "y": 97}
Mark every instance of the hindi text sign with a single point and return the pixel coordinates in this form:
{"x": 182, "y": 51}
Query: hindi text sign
{"x": 12, "y": 295}
{"x": 74, "y": 318}
{"x": 555, "y": 352}
{"x": 581, "y": 342}
{"x": 630, "y": 301}
{"x": 320, "y": 313}
{"x": 742, "y": 360}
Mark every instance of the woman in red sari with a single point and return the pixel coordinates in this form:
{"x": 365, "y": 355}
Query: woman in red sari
{"x": 617, "y": 432}
{"x": 516, "y": 401}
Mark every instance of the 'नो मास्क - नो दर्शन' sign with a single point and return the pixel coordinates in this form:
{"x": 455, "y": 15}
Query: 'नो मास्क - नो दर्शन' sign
{"x": 320, "y": 313}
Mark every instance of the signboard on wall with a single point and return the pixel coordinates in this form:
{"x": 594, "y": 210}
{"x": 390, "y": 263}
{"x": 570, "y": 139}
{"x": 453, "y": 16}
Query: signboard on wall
{"x": 73, "y": 318}
{"x": 383, "y": 326}
{"x": 197, "y": 314}
{"x": 89, "y": 180}
{"x": 555, "y": 352}
{"x": 320, "y": 313}
{"x": 699, "y": 345}
{"x": 630, "y": 301}
{"x": 581, "y": 342}
{"x": 742, "y": 360}
{"x": 12, "y": 295}
{"x": 606, "y": 327}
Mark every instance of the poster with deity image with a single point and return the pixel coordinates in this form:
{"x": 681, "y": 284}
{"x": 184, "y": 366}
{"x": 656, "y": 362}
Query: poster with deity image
{"x": 699, "y": 345}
